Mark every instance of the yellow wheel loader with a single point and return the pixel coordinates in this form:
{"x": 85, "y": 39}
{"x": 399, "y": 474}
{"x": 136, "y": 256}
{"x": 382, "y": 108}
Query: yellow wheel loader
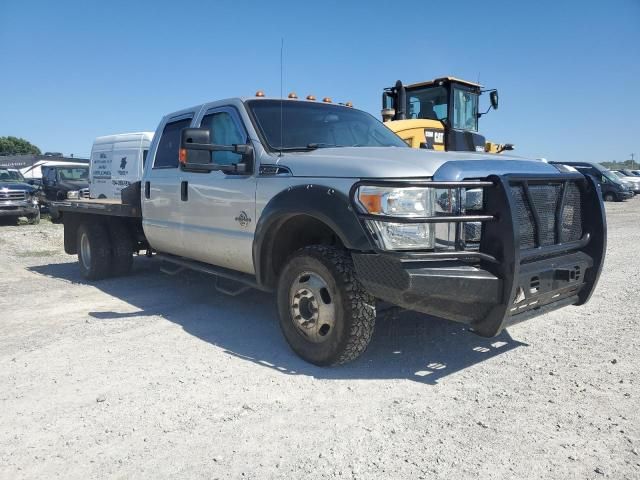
{"x": 440, "y": 114}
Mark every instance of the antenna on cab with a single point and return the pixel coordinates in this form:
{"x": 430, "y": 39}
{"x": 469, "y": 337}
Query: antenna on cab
{"x": 281, "y": 94}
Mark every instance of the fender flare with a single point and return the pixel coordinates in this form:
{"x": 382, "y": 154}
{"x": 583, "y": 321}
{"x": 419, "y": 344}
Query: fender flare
{"x": 323, "y": 203}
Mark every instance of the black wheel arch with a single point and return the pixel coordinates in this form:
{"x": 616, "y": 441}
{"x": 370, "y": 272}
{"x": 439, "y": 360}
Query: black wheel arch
{"x": 323, "y": 213}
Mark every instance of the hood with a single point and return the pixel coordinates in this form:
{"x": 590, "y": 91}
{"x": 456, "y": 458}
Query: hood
{"x": 398, "y": 162}
{"x": 17, "y": 186}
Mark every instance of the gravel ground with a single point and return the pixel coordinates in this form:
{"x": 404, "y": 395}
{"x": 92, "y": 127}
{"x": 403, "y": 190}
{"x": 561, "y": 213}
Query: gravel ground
{"x": 157, "y": 376}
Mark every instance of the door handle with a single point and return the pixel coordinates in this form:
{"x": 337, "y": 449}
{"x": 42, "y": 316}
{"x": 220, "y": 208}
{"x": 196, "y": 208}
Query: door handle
{"x": 184, "y": 192}
{"x": 147, "y": 189}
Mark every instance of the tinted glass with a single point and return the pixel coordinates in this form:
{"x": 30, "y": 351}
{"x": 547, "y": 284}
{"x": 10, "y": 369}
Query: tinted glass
{"x": 224, "y": 131}
{"x": 299, "y": 125}
{"x": 465, "y": 110}
{"x": 167, "y": 153}
{"x": 10, "y": 175}
{"x": 428, "y": 103}
{"x": 76, "y": 174}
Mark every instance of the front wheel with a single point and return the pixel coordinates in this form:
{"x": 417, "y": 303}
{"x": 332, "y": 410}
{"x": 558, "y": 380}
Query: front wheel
{"x": 34, "y": 218}
{"x": 326, "y": 315}
{"x": 609, "y": 197}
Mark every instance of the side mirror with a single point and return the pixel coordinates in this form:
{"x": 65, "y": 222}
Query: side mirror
{"x": 196, "y": 148}
{"x": 493, "y": 98}
{"x": 603, "y": 179}
{"x": 192, "y": 137}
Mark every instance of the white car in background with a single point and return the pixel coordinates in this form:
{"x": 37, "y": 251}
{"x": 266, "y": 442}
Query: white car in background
{"x": 632, "y": 182}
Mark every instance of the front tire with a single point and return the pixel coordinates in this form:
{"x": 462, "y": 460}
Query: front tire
{"x": 34, "y": 219}
{"x": 609, "y": 197}
{"x": 94, "y": 252}
{"x": 326, "y": 315}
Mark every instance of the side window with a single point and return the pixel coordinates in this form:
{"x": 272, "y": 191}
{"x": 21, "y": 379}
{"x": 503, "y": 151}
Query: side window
{"x": 144, "y": 157}
{"x": 167, "y": 153}
{"x": 224, "y": 131}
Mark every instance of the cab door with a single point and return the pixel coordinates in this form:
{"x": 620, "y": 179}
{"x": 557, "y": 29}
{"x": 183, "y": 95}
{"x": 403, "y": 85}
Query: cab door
{"x": 219, "y": 208}
{"x": 163, "y": 216}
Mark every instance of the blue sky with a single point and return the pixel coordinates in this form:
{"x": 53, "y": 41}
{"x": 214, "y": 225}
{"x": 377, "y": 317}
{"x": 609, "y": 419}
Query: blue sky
{"x": 568, "y": 71}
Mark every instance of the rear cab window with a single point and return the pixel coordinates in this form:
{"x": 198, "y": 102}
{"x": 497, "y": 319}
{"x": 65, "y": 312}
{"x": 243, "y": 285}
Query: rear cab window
{"x": 169, "y": 144}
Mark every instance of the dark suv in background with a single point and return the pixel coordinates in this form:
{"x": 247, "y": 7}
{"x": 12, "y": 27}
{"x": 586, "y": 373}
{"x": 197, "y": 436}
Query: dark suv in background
{"x": 17, "y": 197}
{"x": 611, "y": 186}
{"x": 58, "y": 180}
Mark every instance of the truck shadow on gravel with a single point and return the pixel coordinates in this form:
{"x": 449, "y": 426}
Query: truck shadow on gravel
{"x": 405, "y": 345}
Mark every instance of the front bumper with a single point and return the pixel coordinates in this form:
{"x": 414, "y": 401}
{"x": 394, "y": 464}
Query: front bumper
{"x": 18, "y": 209}
{"x": 502, "y": 284}
{"x": 624, "y": 195}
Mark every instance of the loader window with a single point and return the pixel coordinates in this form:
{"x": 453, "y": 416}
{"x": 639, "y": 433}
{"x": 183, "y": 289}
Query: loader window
{"x": 465, "y": 110}
{"x": 428, "y": 103}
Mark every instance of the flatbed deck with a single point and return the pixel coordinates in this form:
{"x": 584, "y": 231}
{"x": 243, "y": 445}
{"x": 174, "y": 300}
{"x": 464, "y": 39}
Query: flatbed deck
{"x": 98, "y": 206}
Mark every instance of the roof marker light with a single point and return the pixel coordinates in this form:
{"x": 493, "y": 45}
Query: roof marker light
{"x": 326, "y": 100}
{"x": 311, "y": 98}
{"x": 259, "y": 93}
{"x": 293, "y": 95}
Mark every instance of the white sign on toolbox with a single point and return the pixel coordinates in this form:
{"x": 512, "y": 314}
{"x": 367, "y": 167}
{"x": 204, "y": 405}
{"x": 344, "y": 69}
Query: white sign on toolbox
{"x": 116, "y": 162}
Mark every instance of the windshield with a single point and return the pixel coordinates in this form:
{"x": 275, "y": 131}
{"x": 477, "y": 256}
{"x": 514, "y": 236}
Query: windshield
{"x": 10, "y": 175}
{"x": 307, "y": 126}
{"x": 465, "y": 110}
{"x": 611, "y": 176}
{"x": 77, "y": 174}
{"x": 428, "y": 103}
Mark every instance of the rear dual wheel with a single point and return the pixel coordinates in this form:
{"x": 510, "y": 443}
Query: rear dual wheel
{"x": 104, "y": 250}
{"x": 326, "y": 315}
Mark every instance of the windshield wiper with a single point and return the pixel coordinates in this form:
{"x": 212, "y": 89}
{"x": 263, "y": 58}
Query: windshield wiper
{"x": 313, "y": 146}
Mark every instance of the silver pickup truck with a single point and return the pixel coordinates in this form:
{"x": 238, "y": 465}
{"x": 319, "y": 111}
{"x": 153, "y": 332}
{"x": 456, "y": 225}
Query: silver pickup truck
{"x": 326, "y": 207}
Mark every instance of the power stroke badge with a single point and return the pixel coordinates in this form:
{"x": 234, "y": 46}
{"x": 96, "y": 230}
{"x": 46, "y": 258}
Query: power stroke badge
{"x": 243, "y": 219}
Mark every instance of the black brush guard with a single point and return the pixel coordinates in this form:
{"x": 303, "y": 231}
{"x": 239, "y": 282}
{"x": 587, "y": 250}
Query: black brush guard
{"x": 510, "y": 278}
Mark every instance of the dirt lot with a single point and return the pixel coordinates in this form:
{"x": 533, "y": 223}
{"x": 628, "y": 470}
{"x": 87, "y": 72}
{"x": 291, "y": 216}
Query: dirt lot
{"x": 154, "y": 376}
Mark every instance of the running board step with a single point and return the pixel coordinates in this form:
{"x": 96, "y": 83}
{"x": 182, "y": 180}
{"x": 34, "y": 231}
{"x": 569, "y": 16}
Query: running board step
{"x": 247, "y": 281}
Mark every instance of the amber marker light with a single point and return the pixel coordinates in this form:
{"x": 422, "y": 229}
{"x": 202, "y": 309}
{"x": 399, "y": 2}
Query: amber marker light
{"x": 182, "y": 156}
{"x": 311, "y": 98}
{"x": 372, "y": 202}
{"x": 349, "y": 104}
{"x": 260, "y": 93}
{"x": 326, "y": 100}
{"x": 293, "y": 95}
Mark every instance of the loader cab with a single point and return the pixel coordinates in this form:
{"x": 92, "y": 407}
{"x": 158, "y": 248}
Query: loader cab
{"x": 440, "y": 114}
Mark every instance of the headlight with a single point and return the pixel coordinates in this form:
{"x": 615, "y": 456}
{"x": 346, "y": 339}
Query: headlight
{"x": 73, "y": 194}
{"x": 407, "y": 203}
{"x": 402, "y": 203}
{"x": 397, "y": 202}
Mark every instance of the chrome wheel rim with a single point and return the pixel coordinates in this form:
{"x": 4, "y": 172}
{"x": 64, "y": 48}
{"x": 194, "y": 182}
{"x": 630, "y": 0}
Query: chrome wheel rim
{"x": 85, "y": 251}
{"x": 312, "y": 307}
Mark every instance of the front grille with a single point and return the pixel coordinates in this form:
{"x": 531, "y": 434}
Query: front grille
{"x": 544, "y": 201}
{"x": 12, "y": 195}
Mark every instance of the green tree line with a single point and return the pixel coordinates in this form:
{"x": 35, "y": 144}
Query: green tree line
{"x": 17, "y": 146}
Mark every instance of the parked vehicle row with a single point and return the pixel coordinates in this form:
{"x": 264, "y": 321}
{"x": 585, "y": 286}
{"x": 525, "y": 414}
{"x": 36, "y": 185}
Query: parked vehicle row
{"x": 612, "y": 187}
